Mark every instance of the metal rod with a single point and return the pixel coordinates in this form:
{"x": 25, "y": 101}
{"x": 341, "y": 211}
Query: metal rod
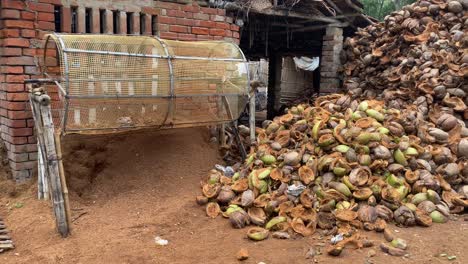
{"x": 67, "y": 83}
{"x": 117, "y": 53}
{"x": 170, "y": 107}
{"x": 148, "y": 96}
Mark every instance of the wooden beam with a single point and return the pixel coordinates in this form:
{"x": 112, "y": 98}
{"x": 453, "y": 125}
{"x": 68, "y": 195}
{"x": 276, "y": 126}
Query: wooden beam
{"x": 311, "y": 28}
{"x": 288, "y": 13}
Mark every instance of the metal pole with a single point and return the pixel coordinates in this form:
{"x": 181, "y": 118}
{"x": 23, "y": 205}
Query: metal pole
{"x": 252, "y": 117}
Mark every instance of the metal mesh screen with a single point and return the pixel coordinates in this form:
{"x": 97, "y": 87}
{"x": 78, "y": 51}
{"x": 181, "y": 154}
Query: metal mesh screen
{"x": 121, "y": 82}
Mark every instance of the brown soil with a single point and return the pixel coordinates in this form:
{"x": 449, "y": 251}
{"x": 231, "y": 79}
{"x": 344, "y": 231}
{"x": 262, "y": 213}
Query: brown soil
{"x": 127, "y": 189}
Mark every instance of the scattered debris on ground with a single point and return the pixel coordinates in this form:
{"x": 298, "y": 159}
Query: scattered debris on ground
{"x": 5, "y": 240}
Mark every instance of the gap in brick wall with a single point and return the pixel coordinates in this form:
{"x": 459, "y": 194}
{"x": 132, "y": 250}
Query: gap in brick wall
{"x": 116, "y": 21}
{"x": 88, "y": 20}
{"x": 129, "y": 23}
{"x": 58, "y": 18}
{"x": 74, "y": 19}
{"x": 154, "y": 25}
{"x": 102, "y": 21}
{"x": 142, "y": 23}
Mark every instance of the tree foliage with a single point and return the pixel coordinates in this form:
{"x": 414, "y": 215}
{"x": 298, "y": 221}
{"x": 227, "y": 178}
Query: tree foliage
{"x": 380, "y": 8}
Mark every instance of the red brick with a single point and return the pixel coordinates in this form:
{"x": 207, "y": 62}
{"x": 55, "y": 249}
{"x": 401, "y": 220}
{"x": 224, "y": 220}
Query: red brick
{"x": 30, "y": 52}
{"x": 18, "y": 24}
{"x": 217, "y": 32}
{"x": 31, "y": 70}
{"x": 10, "y": 13}
{"x": 55, "y": 2}
{"x": 13, "y": 105}
{"x": 66, "y": 19}
{"x": 14, "y": 123}
{"x": 228, "y": 33}
{"x": 23, "y": 148}
{"x": 150, "y": 10}
{"x": 235, "y": 28}
{"x": 163, "y": 28}
{"x": 208, "y": 24}
{"x": 9, "y": 33}
{"x": 204, "y": 37}
{"x": 15, "y": 42}
{"x": 222, "y": 12}
{"x": 45, "y": 25}
{"x": 200, "y": 31}
{"x": 16, "y": 141}
{"x": 23, "y": 60}
{"x": 189, "y": 8}
{"x": 20, "y": 132}
{"x": 201, "y": 16}
{"x": 187, "y": 37}
{"x": 13, "y": 4}
{"x": 28, "y": 15}
{"x": 11, "y": 52}
{"x": 168, "y": 35}
{"x": 28, "y": 33}
{"x": 41, "y": 7}
{"x": 13, "y": 87}
{"x": 14, "y": 79}
{"x": 185, "y": 22}
{"x": 210, "y": 11}
{"x": 30, "y": 122}
{"x": 218, "y": 37}
{"x": 189, "y": 15}
{"x": 45, "y": 16}
{"x": 19, "y": 114}
{"x": 175, "y": 13}
{"x": 167, "y": 20}
{"x": 222, "y": 25}
{"x": 166, "y": 5}
{"x": 235, "y": 35}
{"x": 179, "y": 29}
{"x": 12, "y": 69}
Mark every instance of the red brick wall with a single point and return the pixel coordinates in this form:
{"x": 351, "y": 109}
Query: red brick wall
{"x": 23, "y": 24}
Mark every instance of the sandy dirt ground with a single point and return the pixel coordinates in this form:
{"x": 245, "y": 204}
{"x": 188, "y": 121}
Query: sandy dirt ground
{"x": 128, "y": 189}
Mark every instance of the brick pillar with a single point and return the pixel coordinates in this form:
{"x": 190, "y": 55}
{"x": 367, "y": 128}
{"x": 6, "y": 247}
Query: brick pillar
{"x": 123, "y": 22}
{"x": 81, "y": 19}
{"x": 147, "y": 24}
{"x": 330, "y": 61}
{"x": 136, "y": 23}
{"x": 96, "y": 23}
{"x": 22, "y": 23}
{"x": 109, "y": 28}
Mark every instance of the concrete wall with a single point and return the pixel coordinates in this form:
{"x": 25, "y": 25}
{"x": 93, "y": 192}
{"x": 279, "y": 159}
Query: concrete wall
{"x": 23, "y": 24}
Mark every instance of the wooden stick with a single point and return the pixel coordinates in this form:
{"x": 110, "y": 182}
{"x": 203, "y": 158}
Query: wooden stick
{"x": 53, "y": 169}
{"x": 58, "y": 144}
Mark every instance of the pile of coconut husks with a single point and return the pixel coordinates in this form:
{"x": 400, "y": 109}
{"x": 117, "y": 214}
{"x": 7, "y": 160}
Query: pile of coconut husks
{"x": 419, "y": 50}
{"x": 394, "y": 149}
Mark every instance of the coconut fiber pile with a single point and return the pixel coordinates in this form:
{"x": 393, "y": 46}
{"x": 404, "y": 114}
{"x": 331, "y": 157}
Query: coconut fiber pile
{"x": 343, "y": 165}
{"x": 419, "y": 50}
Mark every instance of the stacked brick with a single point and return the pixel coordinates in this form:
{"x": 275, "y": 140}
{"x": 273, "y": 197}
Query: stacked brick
{"x": 330, "y": 61}
{"x": 192, "y": 22}
{"x": 23, "y": 24}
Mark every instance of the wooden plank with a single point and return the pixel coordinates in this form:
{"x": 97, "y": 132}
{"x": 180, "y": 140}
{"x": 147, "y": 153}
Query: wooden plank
{"x": 53, "y": 170}
{"x": 58, "y": 144}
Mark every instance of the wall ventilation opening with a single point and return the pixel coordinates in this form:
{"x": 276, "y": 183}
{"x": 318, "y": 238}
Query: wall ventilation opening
{"x": 154, "y": 25}
{"x": 142, "y": 23}
{"x": 74, "y": 19}
{"x": 116, "y": 21}
{"x": 58, "y": 18}
{"x": 130, "y": 23}
{"x": 102, "y": 21}
{"x": 88, "y": 20}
